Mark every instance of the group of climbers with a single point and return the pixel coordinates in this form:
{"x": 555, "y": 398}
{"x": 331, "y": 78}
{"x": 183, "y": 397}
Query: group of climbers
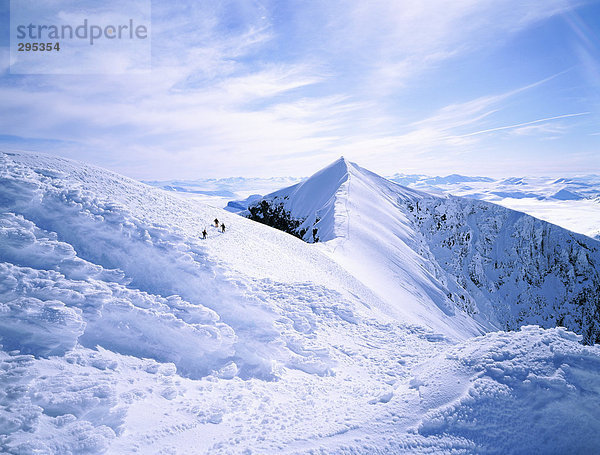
{"x": 217, "y": 224}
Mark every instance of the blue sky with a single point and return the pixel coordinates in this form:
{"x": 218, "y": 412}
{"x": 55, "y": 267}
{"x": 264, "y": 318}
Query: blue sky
{"x": 265, "y": 88}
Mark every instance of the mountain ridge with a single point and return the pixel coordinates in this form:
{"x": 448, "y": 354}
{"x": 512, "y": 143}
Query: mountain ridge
{"x": 470, "y": 249}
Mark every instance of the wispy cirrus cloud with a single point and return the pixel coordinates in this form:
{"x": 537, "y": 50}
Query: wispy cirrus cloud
{"x": 453, "y": 133}
{"x": 526, "y": 126}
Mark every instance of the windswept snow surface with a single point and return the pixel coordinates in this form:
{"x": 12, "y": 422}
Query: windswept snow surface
{"x": 122, "y": 332}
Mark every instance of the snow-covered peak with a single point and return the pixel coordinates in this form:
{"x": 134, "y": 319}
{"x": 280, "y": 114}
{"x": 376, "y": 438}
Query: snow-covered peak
{"x": 313, "y": 200}
{"x": 341, "y": 164}
{"x": 452, "y": 255}
{"x": 317, "y": 191}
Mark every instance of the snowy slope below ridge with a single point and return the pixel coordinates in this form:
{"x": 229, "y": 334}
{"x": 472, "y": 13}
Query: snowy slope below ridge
{"x": 502, "y": 267}
{"x": 123, "y": 332}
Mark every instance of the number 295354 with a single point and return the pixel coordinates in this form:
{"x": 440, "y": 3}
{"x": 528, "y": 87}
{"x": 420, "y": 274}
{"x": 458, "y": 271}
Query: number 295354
{"x": 38, "y": 47}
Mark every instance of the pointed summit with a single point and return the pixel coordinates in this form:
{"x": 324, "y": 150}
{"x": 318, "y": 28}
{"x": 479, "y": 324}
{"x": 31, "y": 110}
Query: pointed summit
{"x": 308, "y": 209}
{"x": 341, "y": 161}
{"x": 315, "y": 209}
{"x": 335, "y": 171}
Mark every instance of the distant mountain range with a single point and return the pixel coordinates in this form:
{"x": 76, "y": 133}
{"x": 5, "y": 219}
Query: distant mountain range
{"x": 575, "y": 188}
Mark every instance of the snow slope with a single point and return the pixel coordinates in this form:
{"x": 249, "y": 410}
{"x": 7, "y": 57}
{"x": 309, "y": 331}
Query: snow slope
{"x": 123, "y": 332}
{"x": 451, "y": 254}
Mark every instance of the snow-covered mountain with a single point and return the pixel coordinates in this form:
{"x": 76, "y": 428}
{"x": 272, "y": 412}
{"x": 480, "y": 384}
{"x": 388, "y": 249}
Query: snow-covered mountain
{"x": 122, "y": 331}
{"x": 504, "y": 268}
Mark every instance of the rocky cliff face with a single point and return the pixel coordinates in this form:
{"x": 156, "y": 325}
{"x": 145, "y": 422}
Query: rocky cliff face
{"x": 527, "y": 270}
